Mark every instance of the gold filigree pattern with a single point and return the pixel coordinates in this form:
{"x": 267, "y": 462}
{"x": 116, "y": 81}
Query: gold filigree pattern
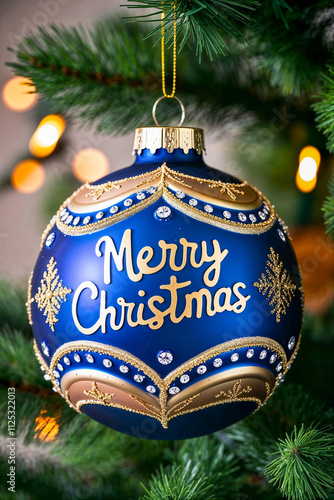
{"x": 100, "y": 189}
{"x": 165, "y": 174}
{"x": 276, "y": 285}
{"x": 99, "y": 395}
{"x": 235, "y": 392}
{"x": 51, "y": 294}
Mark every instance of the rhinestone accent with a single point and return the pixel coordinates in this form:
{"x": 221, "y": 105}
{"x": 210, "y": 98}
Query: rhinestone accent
{"x": 86, "y": 220}
{"x": 47, "y": 376}
{"x": 107, "y": 363}
{"x": 141, "y": 196}
{"x": 114, "y": 209}
{"x": 180, "y": 195}
{"x": 90, "y": 358}
{"x": 128, "y": 202}
{"x": 291, "y": 343}
{"x": 139, "y": 378}
{"x": 273, "y": 358}
{"x": 50, "y": 239}
{"x": 262, "y": 215}
{"x": 227, "y": 214}
{"x": 57, "y": 382}
{"x": 64, "y": 216}
{"x": 99, "y": 215}
{"x": 281, "y": 234}
{"x": 69, "y": 219}
{"x": 77, "y": 358}
{"x": 45, "y": 348}
{"x": 76, "y": 221}
{"x": 165, "y": 357}
{"x": 280, "y": 378}
{"x": 242, "y": 217}
{"x": 66, "y": 360}
{"x": 279, "y": 367}
{"x": 184, "y": 379}
{"x": 56, "y": 373}
{"x": 163, "y": 212}
{"x": 217, "y": 362}
{"x": 151, "y": 389}
{"x": 263, "y": 354}
{"x": 208, "y": 208}
{"x": 124, "y": 369}
{"x": 63, "y": 212}
{"x": 201, "y": 369}
{"x": 151, "y": 190}
{"x": 60, "y": 367}
{"x": 252, "y": 218}
{"x": 174, "y": 390}
{"x": 250, "y": 353}
{"x": 234, "y": 357}
{"x": 193, "y": 202}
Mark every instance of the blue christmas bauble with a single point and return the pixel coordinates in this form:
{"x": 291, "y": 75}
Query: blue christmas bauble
{"x": 166, "y": 301}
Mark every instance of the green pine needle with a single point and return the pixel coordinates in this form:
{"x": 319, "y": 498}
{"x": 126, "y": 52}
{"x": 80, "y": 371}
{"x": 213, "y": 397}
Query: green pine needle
{"x": 304, "y": 468}
{"x": 325, "y": 107}
{"x": 328, "y": 208}
{"x": 206, "y": 23}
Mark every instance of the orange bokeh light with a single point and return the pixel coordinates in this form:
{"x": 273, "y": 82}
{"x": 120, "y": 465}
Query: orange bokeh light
{"x": 305, "y": 186}
{"x": 311, "y": 152}
{"x": 44, "y": 140}
{"x": 90, "y": 164}
{"x": 46, "y": 428}
{"x": 16, "y": 96}
{"x": 28, "y": 176}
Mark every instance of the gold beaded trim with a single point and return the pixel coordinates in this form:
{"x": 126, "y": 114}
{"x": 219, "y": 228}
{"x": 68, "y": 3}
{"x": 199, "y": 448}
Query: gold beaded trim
{"x": 29, "y": 298}
{"x": 163, "y": 191}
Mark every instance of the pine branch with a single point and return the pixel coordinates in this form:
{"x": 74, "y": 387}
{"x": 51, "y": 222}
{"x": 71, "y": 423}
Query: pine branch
{"x": 324, "y": 109}
{"x": 304, "y": 467}
{"x": 101, "y": 76}
{"x": 206, "y": 23}
{"x": 328, "y": 209}
{"x": 203, "y": 467}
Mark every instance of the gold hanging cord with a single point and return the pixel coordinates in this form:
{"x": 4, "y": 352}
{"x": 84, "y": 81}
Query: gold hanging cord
{"x": 163, "y": 73}
{"x": 163, "y": 56}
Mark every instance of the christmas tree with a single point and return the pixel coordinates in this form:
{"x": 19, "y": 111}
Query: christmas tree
{"x": 264, "y": 75}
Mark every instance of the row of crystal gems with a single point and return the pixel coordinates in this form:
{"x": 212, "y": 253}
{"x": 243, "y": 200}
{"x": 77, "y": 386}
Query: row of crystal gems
{"x": 68, "y": 218}
{"x": 165, "y": 358}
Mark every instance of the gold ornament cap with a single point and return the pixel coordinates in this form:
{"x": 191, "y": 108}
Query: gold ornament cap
{"x": 169, "y": 138}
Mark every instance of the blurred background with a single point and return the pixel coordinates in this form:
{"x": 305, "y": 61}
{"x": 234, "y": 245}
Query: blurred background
{"x": 43, "y": 158}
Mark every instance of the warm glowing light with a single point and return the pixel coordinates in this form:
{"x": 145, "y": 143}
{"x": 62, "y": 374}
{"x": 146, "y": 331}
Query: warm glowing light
{"x": 28, "y": 176}
{"x": 90, "y": 164}
{"x": 305, "y": 186}
{"x": 45, "y": 138}
{"x": 307, "y": 169}
{"x": 46, "y": 428}
{"x": 16, "y": 96}
{"x": 47, "y": 135}
{"x": 310, "y": 152}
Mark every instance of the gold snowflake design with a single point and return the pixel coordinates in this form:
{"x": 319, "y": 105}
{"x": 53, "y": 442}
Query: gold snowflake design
{"x": 235, "y": 392}
{"x": 165, "y": 174}
{"x": 98, "y": 394}
{"x": 276, "y": 284}
{"x": 51, "y": 294}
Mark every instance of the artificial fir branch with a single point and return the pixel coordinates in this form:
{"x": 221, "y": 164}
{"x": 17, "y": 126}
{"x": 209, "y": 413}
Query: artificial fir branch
{"x": 304, "y": 468}
{"x": 206, "y": 23}
{"x": 325, "y": 107}
{"x": 328, "y": 209}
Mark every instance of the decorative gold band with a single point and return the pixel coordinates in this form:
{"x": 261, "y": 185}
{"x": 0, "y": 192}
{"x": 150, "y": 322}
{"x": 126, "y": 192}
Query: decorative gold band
{"x": 169, "y": 138}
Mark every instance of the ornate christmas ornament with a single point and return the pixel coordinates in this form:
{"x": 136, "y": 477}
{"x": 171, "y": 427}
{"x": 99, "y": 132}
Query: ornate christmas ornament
{"x": 166, "y": 301}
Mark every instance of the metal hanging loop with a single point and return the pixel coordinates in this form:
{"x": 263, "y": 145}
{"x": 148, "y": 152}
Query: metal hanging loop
{"x": 183, "y": 115}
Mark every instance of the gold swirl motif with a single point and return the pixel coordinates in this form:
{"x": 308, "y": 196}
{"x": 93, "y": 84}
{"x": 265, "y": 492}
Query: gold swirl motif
{"x": 30, "y": 299}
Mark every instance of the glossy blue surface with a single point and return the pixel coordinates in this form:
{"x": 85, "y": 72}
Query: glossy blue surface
{"x": 245, "y": 261}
